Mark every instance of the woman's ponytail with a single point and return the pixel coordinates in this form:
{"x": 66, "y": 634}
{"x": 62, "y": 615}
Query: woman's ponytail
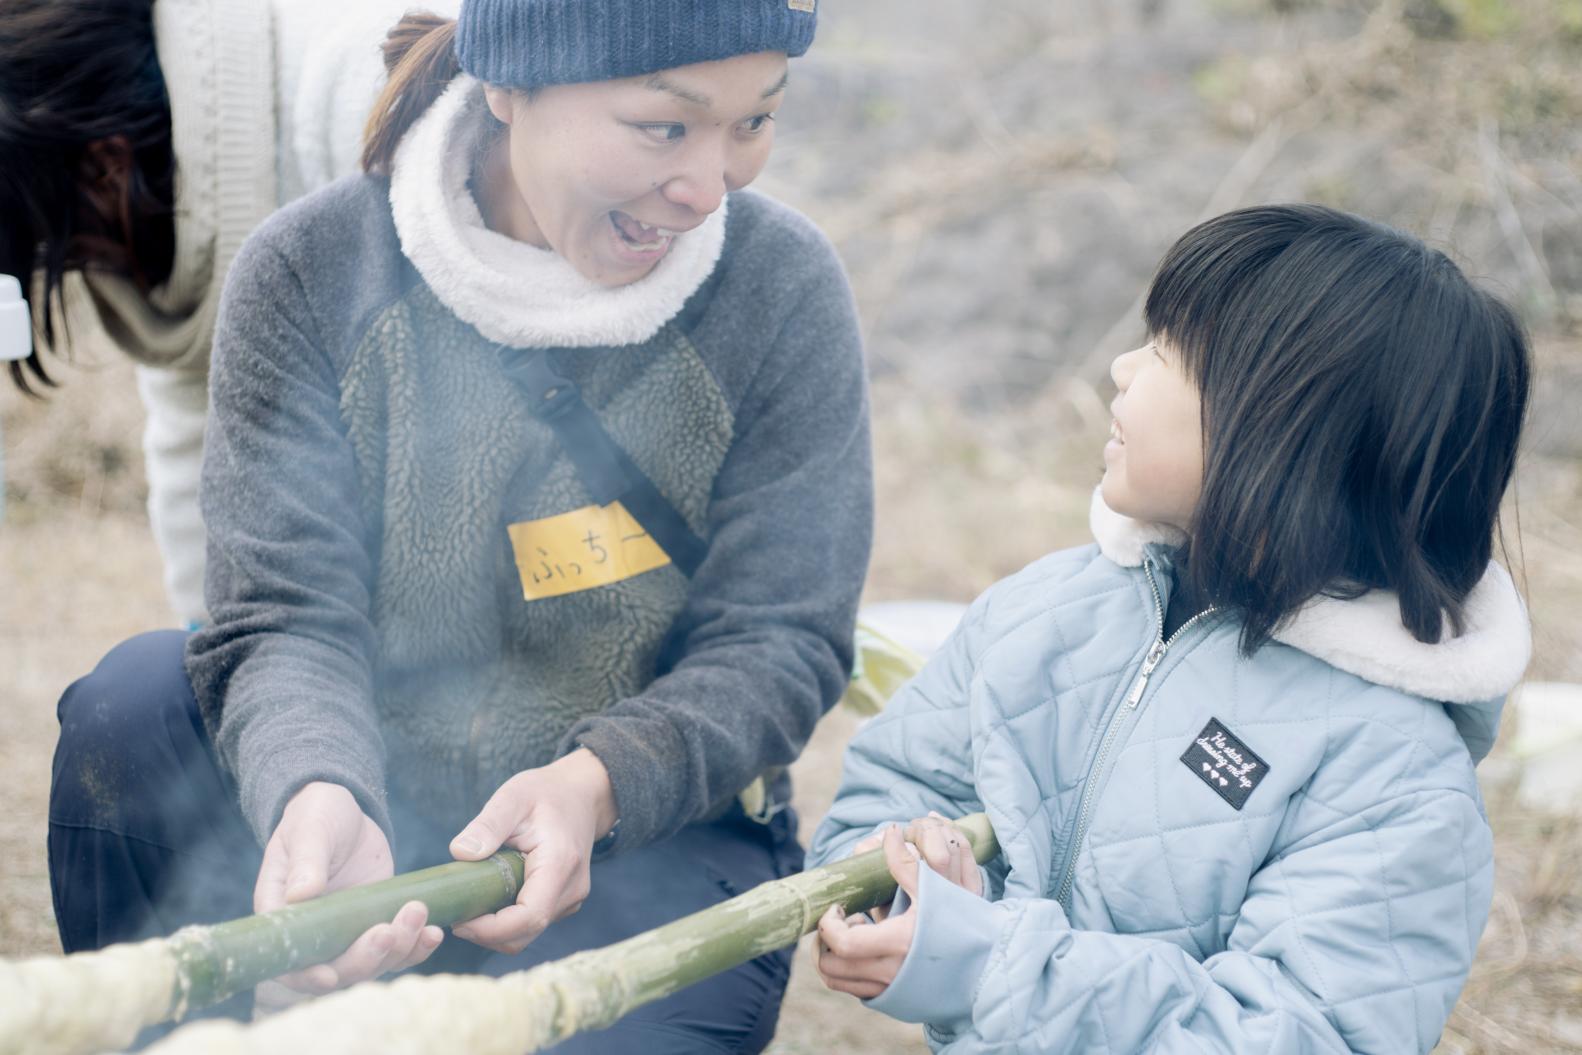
{"x": 420, "y": 55}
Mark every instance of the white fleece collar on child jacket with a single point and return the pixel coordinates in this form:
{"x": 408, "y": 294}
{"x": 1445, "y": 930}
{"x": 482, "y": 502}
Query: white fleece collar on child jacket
{"x": 512, "y": 292}
{"x": 1365, "y": 636}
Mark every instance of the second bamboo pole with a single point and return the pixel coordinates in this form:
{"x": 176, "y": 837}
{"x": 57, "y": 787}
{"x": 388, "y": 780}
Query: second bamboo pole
{"x": 527, "y": 1011}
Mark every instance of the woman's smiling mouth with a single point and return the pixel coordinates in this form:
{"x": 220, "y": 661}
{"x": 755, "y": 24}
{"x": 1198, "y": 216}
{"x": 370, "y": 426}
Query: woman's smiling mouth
{"x": 638, "y": 238}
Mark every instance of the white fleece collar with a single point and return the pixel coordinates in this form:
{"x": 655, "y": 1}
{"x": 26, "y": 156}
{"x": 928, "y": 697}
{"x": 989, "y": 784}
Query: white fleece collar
{"x": 512, "y": 292}
{"x": 1365, "y": 636}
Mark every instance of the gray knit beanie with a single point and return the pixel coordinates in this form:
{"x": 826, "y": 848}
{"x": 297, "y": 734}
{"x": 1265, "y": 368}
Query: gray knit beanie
{"x": 534, "y": 43}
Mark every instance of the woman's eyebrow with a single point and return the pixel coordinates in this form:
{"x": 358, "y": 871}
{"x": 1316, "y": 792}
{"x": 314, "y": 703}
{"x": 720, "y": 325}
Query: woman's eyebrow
{"x": 779, "y": 86}
{"x": 658, "y": 83}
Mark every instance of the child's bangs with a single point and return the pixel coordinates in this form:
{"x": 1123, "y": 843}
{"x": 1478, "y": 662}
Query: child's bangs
{"x": 1218, "y": 276}
{"x": 1195, "y": 282}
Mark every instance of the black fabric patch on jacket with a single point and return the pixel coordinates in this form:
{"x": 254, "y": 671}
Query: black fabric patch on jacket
{"x": 1225, "y": 764}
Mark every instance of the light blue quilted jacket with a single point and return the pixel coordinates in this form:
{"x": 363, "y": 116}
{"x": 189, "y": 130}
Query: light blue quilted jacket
{"x": 1200, "y": 852}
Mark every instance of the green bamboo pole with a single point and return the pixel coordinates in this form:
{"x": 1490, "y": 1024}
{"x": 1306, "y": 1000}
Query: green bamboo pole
{"x": 529, "y": 1010}
{"x": 91, "y": 1002}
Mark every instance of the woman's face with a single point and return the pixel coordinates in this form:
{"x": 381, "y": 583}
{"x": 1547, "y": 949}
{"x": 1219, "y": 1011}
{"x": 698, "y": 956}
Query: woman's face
{"x": 1153, "y": 464}
{"x": 606, "y": 173}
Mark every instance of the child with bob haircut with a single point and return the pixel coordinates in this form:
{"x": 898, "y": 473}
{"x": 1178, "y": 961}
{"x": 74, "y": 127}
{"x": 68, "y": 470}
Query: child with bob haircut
{"x": 1228, "y": 750}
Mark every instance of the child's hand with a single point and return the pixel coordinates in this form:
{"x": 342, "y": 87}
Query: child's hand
{"x": 861, "y": 956}
{"x": 857, "y": 955}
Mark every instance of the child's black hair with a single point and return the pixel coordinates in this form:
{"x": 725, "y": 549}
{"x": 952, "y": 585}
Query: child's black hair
{"x": 1362, "y": 405}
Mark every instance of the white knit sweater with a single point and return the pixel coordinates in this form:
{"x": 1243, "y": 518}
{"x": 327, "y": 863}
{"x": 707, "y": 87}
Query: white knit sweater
{"x": 268, "y": 100}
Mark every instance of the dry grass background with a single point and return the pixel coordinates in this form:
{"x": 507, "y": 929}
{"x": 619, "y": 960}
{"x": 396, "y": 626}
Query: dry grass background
{"x": 1000, "y": 180}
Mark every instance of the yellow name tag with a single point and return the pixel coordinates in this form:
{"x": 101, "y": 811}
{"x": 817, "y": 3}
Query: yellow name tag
{"x": 587, "y": 547}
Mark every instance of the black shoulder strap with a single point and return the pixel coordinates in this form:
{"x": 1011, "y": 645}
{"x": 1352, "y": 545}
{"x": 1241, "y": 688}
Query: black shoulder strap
{"x": 607, "y": 471}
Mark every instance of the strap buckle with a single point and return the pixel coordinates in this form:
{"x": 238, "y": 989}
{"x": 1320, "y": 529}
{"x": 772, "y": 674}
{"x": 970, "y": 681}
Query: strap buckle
{"x": 549, "y": 395}
{"x": 554, "y": 401}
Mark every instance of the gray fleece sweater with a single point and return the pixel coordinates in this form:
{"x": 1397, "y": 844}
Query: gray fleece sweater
{"x": 366, "y": 455}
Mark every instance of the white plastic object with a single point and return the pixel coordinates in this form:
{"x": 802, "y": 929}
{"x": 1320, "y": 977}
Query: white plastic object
{"x": 1547, "y": 747}
{"x": 921, "y": 626}
{"x": 16, "y": 328}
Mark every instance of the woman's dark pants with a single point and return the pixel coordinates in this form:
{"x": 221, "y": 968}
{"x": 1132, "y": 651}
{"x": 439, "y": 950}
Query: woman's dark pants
{"x": 145, "y": 836}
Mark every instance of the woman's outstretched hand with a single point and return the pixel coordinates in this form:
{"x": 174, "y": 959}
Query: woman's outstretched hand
{"x": 553, "y": 815}
{"x": 323, "y": 843}
{"x": 862, "y": 954}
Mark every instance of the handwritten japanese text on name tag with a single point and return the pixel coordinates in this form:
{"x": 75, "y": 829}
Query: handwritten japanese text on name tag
{"x": 587, "y": 547}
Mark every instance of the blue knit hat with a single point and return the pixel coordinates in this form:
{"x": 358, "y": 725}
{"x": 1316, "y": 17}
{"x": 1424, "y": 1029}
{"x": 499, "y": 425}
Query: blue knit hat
{"x": 534, "y": 43}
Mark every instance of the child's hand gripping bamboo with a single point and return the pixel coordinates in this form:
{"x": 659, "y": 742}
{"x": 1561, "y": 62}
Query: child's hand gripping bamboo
{"x": 862, "y": 954}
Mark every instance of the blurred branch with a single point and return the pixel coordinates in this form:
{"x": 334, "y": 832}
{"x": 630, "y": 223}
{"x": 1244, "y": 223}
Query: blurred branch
{"x": 1468, "y": 1020}
{"x": 1496, "y": 179}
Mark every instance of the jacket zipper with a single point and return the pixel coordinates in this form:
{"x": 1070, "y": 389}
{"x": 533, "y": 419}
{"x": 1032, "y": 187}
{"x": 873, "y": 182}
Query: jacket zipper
{"x": 1156, "y": 655}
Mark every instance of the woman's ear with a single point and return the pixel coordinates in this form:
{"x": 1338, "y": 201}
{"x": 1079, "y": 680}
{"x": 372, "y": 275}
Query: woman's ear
{"x": 500, "y": 103}
{"x": 107, "y": 163}
{"x": 104, "y": 178}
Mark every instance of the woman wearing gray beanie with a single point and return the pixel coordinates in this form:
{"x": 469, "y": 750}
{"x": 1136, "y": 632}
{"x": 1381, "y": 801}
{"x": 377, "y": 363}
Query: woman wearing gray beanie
{"x": 538, "y": 492}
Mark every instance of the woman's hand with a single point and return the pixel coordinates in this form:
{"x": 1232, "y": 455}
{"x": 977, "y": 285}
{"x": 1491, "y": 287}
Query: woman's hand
{"x": 553, "y": 815}
{"x": 323, "y": 843}
{"x": 862, "y": 954}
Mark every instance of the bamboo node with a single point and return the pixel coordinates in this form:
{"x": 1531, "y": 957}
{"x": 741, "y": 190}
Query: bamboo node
{"x": 808, "y": 919}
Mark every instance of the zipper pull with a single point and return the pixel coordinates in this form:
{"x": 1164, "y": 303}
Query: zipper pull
{"x": 1155, "y": 654}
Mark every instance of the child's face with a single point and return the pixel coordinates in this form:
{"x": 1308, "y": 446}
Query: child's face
{"x": 1153, "y": 464}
